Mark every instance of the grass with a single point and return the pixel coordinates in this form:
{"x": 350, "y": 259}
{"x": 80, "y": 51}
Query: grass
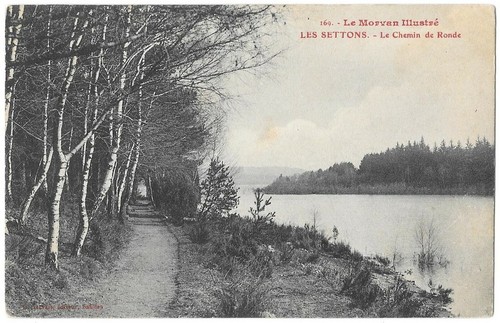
{"x": 242, "y": 294}
{"x": 30, "y": 285}
{"x": 289, "y": 271}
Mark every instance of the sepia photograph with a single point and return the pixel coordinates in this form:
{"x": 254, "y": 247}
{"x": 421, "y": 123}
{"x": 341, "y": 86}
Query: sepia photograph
{"x": 249, "y": 160}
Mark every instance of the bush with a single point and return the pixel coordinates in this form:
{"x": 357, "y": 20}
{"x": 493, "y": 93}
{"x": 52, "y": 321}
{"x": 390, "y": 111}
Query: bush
{"x": 177, "y": 193}
{"x": 443, "y": 295}
{"x": 428, "y": 242}
{"x": 340, "y": 250}
{"x": 398, "y": 301}
{"x": 23, "y": 248}
{"x": 358, "y": 285}
{"x": 199, "y": 233}
{"x": 241, "y": 296}
{"x": 237, "y": 239}
{"x": 104, "y": 239}
{"x": 312, "y": 258}
{"x": 383, "y": 260}
{"x": 285, "y": 252}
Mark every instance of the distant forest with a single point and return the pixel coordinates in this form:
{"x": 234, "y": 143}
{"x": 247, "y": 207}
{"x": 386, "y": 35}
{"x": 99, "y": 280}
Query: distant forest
{"x": 411, "y": 169}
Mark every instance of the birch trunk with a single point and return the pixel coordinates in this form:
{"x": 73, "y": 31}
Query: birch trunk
{"x": 129, "y": 189}
{"x": 51, "y": 254}
{"x": 12, "y": 43}
{"x": 27, "y": 203}
{"x": 83, "y": 225}
{"x": 122, "y": 186}
{"x": 117, "y": 124}
{"x": 22, "y": 174}
{"x": 46, "y": 105}
{"x": 9, "y": 154}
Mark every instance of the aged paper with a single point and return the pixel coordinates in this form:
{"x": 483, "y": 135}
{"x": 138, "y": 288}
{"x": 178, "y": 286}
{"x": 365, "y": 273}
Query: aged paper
{"x": 372, "y": 127}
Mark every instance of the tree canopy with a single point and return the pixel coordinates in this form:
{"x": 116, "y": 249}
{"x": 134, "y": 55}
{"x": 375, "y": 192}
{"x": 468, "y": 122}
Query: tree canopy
{"x": 411, "y": 169}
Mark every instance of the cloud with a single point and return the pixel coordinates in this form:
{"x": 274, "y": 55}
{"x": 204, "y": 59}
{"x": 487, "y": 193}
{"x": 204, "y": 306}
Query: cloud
{"x": 336, "y": 101}
{"x": 386, "y": 115}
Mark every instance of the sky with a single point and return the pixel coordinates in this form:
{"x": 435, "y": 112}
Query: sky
{"x": 329, "y": 100}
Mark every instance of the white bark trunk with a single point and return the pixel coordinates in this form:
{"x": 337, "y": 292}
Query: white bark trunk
{"x": 8, "y": 185}
{"x": 46, "y": 105}
{"x": 121, "y": 187}
{"x": 51, "y": 254}
{"x": 27, "y": 202}
{"x": 116, "y": 124}
{"x": 12, "y": 43}
{"x": 83, "y": 225}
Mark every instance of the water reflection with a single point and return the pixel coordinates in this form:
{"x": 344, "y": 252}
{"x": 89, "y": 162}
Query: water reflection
{"x": 386, "y": 225}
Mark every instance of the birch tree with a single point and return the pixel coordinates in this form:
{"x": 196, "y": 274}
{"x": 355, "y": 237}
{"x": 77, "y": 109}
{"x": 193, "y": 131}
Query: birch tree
{"x": 15, "y": 14}
{"x": 136, "y": 77}
{"x": 87, "y": 156}
{"x": 116, "y": 122}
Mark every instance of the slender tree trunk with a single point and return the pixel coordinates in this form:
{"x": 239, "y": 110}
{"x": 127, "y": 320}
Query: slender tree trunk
{"x": 22, "y": 174}
{"x": 10, "y": 142}
{"x": 111, "y": 195}
{"x": 129, "y": 188}
{"x": 12, "y": 43}
{"x": 46, "y": 105}
{"x": 122, "y": 212}
{"x": 83, "y": 225}
{"x": 51, "y": 254}
{"x": 150, "y": 190}
{"x": 117, "y": 121}
{"x": 27, "y": 202}
{"x": 70, "y": 140}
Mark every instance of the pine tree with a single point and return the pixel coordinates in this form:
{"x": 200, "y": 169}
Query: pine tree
{"x": 218, "y": 193}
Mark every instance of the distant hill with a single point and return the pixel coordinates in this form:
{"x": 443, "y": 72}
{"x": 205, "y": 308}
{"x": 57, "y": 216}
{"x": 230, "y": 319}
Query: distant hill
{"x": 262, "y": 175}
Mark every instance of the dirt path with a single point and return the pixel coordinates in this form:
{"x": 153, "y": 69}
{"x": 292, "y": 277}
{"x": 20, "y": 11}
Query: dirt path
{"x": 143, "y": 282}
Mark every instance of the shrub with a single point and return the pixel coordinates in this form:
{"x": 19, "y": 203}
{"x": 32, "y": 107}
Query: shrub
{"x": 443, "y": 295}
{"x": 340, "y": 250}
{"x": 237, "y": 240}
{"x": 312, "y": 258}
{"x": 199, "y": 233}
{"x": 242, "y": 295}
{"x": 427, "y": 239}
{"x": 104, "y": 239}
{"x": 398, "y": 301}
{"x": 325, "y": 243}
{"x": 285, "y": 252}
{"x": 356, "y": 256}
{"x": 23, "y": 248}
{"x": 331, "y": 276}
{"x": 383, "y": 260}
{"x": 358, "y": 285}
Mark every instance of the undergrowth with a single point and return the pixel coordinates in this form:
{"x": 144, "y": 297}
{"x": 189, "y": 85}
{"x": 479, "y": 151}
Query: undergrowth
{"x": 29, "y": 284}
{"x": 246, "y": 255}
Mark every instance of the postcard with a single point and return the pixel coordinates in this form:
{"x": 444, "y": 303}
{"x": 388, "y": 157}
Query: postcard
{"x": 249, "y": 160}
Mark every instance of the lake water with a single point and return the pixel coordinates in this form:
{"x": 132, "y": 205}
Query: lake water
{"x": 386, "y": 225}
